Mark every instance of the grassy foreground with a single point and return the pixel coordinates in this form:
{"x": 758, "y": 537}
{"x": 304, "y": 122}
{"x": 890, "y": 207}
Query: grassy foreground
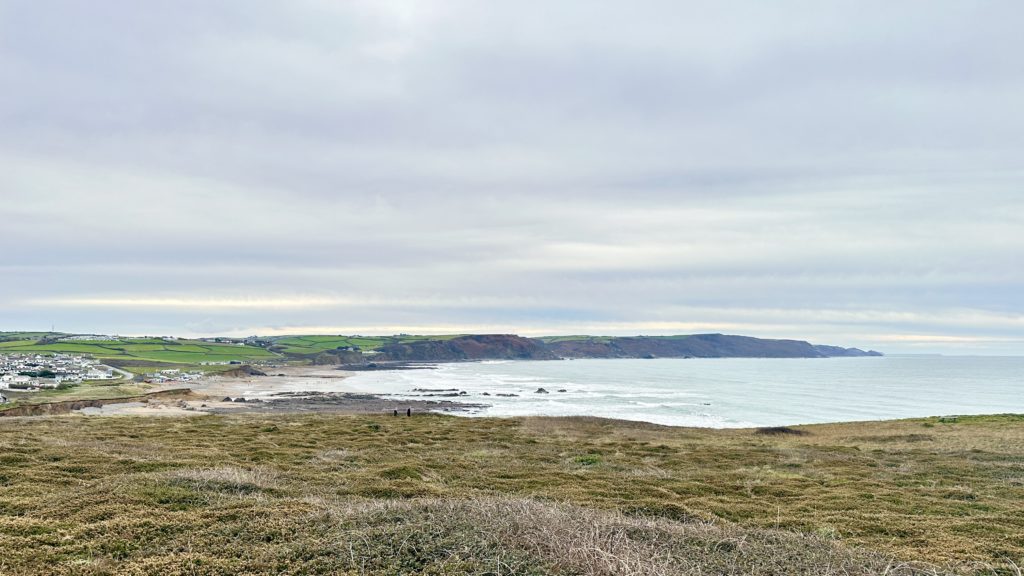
{"x": 331, "y": 494}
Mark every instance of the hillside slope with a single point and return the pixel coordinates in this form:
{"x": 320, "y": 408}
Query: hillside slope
{"x": 696, "y": 346}
{"x": 512, "y": 347}
{"x": 473, "y": 347}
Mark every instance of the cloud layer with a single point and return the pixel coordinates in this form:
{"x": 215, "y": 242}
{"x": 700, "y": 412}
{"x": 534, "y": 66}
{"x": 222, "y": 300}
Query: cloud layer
{"x": 845, "y": 172}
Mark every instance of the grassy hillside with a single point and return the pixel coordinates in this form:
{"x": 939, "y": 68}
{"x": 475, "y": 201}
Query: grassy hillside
{"x": 577, "y": 338}
{"x": 309, "y": 345}
{"x": 442, "y": 495}
{"x": 89, "y": 390}
{"x": 692, "y": 345}
{"x": 451, "y": 348}
{"x": 135, "y": 350}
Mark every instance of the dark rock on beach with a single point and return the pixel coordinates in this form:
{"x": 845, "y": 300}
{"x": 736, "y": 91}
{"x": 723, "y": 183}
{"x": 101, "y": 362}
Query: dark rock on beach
{"x": 342, "y": 403}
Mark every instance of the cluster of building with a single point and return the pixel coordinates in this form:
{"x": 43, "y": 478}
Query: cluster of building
{"x": 172, "y": 375}
{"x": 223, "y": 340}
{"x": 35, "y": 371}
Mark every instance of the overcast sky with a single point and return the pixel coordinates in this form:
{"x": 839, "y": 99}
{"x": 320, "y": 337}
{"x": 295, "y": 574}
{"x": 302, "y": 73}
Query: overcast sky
{"x": 848, "y": 172}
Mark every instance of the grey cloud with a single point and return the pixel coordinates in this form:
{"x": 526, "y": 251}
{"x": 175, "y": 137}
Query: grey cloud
{"x": 572, "y": 165}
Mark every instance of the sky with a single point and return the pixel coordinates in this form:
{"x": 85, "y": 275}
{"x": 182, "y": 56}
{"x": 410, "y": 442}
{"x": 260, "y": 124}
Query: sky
{"x": 845, "y": 172}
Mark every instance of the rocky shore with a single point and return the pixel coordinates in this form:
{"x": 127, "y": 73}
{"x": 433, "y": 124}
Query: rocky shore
{"x": 340, "y": 402}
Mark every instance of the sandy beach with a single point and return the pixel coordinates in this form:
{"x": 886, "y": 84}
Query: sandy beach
{"x": 288, "y": 389}
{"x": 281, "y": 379}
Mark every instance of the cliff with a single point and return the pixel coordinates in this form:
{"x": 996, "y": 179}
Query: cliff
{"x": 695, "y": 346}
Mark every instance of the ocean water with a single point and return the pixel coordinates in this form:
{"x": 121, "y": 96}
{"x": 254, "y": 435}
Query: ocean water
{"x": 724, "y": 392}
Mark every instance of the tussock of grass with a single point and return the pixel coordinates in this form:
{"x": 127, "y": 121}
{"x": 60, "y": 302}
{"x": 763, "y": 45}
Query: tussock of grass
{"x": 307, "y": 494}
{"x": 777, "y": 430}
{"x": 226, "y": 479}
{"x": 522, "y": 536}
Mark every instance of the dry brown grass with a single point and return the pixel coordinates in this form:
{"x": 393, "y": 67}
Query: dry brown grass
{"x": 226, "y": 479}
{"x": 521, "y": 534}
{"x": 443, "y": 495}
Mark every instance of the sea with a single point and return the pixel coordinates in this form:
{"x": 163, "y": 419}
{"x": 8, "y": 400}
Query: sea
{"x": 719, "y": 392}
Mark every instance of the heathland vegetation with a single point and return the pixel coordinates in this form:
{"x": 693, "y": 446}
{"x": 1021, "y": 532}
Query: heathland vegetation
{"x": 331, "y": 494}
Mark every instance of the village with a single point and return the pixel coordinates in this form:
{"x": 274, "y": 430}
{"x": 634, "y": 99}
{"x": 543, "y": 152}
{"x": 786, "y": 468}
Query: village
{"x": 171, "y": 375}
{"x": 33, "y": 371}
{"x": 30, "y": 372}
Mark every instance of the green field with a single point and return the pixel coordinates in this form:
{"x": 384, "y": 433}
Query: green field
{"x": 309, "y": 345}
{"x": 331, "y": 494}
{"x": 191, "y": 352}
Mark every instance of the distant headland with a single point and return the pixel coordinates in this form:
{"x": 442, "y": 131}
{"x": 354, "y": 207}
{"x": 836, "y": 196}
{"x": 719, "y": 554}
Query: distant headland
{"x": 323, "y": 349}
{"x": 512, "y": 347}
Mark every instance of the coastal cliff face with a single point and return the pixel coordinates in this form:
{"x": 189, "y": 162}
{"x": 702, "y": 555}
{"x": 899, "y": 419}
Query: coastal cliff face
{"x": 511, "y": 347}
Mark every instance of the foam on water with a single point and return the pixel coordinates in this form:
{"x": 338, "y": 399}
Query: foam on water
{"x": 724, "y": 392}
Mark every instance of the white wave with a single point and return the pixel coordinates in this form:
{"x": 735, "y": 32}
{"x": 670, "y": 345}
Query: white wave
{"x": 723, "y": 393}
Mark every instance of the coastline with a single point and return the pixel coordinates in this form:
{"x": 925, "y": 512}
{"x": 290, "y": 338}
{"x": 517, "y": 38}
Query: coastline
{"x": 285, "y": 447}
{"x": 730, "y": 393}
{"x": 719, "y": 393}
{"x": 287, "y": 390}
